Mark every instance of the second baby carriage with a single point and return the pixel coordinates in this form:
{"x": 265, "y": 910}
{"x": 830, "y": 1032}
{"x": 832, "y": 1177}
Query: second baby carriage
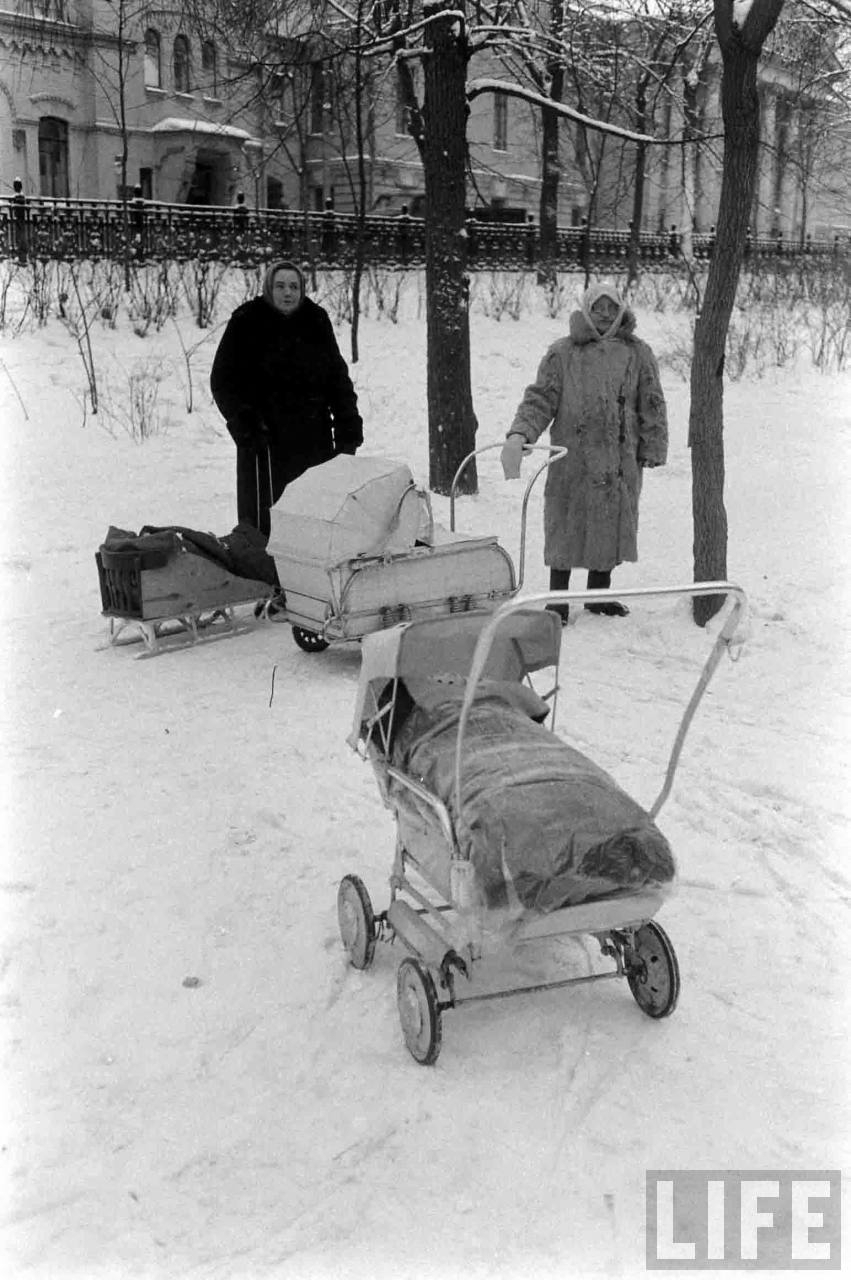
{"x": 505, "y": 833}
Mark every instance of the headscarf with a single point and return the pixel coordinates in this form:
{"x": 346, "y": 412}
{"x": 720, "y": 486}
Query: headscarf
{"x": 269, "y": 279}
{"x": 593, "y": 294}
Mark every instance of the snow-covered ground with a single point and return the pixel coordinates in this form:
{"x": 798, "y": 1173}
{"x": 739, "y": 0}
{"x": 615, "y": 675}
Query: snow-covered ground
{"x": 170, "y": 819}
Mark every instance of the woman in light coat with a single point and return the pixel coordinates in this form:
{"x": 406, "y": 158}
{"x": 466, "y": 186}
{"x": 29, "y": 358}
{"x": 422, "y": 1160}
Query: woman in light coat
{"x": 599, "y": 393}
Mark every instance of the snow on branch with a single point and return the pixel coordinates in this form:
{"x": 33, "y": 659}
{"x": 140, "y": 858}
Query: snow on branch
{"x": 377, "y": 42}
{"x": 484, "y": 85}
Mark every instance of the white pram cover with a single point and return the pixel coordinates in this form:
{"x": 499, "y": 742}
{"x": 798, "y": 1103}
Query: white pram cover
{"x": 350, "y": 507}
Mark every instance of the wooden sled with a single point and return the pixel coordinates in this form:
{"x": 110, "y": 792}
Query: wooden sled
{"x": 150, "y": 596}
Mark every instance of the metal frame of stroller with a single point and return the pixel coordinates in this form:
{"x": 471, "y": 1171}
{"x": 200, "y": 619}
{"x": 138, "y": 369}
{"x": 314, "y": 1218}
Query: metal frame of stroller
{"x": 446, "y": 937}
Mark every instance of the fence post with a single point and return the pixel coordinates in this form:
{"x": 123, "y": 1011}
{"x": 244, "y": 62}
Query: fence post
{"x": 531, "y": 240}
{"x": 137, "y": 221}
{"x": 19, "y": 220}
{"x": 329, "y": 231}
{"x": 403, "y": 236}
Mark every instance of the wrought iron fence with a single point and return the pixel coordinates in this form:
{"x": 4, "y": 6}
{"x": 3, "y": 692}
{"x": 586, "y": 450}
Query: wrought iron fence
{"x": 143, "y": 230}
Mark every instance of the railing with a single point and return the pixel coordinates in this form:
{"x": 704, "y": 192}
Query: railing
{"x": 42, "y": 229}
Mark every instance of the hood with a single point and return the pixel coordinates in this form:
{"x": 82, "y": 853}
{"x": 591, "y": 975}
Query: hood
{"x": 593, "y": 294}
{"x": 582, "y": 331}
{"x": 271, "y": 272}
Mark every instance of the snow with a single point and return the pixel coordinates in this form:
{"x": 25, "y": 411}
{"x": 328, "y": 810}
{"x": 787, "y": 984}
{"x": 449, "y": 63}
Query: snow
{"x": 741, "y": 9}
{"x": 196, "y": 1083}
{"x": 177, "y": 124}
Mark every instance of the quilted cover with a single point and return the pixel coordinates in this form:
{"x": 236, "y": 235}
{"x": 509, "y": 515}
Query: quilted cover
{"x": 544, "y": 825}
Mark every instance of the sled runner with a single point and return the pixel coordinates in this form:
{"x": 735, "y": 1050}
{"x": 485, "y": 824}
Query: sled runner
{"x": 357, "y": 551}
{"x": 506, "y": 834}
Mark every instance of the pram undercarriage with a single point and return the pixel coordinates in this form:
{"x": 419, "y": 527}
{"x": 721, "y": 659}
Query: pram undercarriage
{"x": 447, "y": 904}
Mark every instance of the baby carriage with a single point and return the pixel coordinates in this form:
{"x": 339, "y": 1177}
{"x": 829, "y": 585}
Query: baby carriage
{"x": 505, "y": 834}
{"x": 357, "y": 550}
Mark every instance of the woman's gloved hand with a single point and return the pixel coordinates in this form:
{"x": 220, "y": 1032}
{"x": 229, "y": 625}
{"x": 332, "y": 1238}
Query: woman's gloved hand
{"x": 512, "y": 455}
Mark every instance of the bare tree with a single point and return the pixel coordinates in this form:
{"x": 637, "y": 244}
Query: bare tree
{"x": 440, "y": 35}
{"x": 452, "y": 422}
{"x": 741, "y": 46}
{"x": 813, "y": 143}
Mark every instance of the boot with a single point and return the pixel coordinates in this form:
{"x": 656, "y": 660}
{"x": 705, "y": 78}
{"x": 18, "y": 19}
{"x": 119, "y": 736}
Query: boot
{"x": 611, "y": 609}
{"x": 560, "y": 581}
{"x": 601, "y": 580}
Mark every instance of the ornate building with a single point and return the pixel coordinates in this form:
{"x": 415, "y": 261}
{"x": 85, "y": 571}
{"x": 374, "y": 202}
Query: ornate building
{"x": 94, "y": 94}
{"x": 72, "y": 70}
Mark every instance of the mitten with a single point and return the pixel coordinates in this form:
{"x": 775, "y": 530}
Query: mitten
{"x": 512, "y": 455}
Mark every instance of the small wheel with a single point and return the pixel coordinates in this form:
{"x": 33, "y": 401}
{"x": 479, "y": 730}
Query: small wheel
{"x": 419, "y": 1011}
{"x": 357, "y": 921}
{"x": 652, "y": 970}
{"x": 310, "y": 641}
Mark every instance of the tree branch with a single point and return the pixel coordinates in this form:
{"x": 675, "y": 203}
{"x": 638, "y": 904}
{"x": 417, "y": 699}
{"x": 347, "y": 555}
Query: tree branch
{"x": 484, "y": 85}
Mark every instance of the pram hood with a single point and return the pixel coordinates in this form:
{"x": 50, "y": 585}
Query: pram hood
{"x": 527, "y": 641}
{"x": 350, "y": 507}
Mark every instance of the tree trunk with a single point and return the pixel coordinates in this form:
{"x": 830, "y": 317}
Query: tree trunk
{"x": 638, "y": 185}
{"x": 451, "y": 419}
{"x": 360, "y": 195}
{"x": 550, "y": 159}
{"x": 550, "y": 179}
{"x": 740, "y": 109}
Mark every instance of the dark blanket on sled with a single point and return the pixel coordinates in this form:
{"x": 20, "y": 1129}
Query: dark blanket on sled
{"x": 242, "y": 552}
{"x": 537, "y": 815}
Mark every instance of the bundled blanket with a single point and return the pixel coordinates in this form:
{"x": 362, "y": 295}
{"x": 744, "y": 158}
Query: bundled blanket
{"x": 543, "y": 825}
{"x": 242, "y": 552}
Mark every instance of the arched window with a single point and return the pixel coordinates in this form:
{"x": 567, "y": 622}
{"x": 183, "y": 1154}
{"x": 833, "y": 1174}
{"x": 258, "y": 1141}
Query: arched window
{"x": 317, "y": 97}
{"x": 500, "y": 121}
{"x": 209, "y": 66}
{"x": 181, "y": 64}
{"x": 53, "y": 156}
{"x": 153, "y": 66}
{"x": 403, "y": 111}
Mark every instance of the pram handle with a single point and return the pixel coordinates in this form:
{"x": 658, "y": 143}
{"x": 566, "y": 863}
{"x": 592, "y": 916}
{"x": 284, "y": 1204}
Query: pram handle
{"x": 555, "y": 452}
{"x": 727, "y": 637}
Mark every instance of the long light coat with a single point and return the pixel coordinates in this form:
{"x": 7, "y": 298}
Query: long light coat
{"x": 602, "y": 398}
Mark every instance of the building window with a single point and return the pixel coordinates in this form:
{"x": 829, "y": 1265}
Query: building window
{"x": 500, "y": 121}
{"x": 153, "y": 65}
{"x": 317, "y": 98}
{"x": 209, "y": 67}
{"x": 53, "y": 157}
{"x": 181, "y": 64}
{"x": 146, "y": 183}
{"x": 403, "y": 111}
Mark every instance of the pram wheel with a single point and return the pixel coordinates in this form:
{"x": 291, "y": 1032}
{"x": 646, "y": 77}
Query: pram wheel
{"x": 357, "y": 921}
{"x": 310, "y": 641}
{"x": 652, "y": 970}
{"x": 419, "y": 1011}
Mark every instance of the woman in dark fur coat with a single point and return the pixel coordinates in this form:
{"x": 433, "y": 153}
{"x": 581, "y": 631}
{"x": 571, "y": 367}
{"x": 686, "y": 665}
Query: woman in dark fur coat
{"x": 284, "y": 389}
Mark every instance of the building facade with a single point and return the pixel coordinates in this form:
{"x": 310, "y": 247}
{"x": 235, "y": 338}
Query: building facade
{"x": 71, "y": 71}
{"x": 96, "y": 95}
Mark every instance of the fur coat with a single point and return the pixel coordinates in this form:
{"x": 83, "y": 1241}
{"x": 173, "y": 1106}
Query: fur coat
{"x": 602, "y": 399}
